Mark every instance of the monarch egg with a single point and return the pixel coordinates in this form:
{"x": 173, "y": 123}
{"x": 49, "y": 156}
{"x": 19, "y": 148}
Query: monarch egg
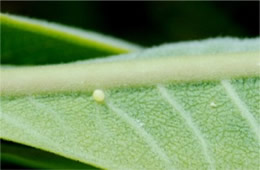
{"x": 212, "y": 104}
{"x": 98, "y": 95}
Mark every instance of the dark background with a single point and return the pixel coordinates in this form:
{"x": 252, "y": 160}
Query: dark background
{"x": 149, "y": 23}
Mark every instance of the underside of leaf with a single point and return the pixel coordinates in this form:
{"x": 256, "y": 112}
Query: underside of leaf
{"x": 164, "y": 108}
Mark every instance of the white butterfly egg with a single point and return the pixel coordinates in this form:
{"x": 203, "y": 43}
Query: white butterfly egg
{"x": 98, "y": 95}
{"x": 213, "y": 104}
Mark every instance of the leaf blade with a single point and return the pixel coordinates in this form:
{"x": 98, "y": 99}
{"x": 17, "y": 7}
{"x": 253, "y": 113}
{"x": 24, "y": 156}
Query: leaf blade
{"x": 139, "y": 127}
{"x": 34, "y": 158}
{"x": 53, "y": 43}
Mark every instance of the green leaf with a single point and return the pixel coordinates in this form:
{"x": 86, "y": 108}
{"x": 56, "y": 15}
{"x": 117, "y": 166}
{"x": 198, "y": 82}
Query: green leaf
{"x": 35, "y": 158}
{"x": 192, "y": 105}
{"x": 29, "y": 41}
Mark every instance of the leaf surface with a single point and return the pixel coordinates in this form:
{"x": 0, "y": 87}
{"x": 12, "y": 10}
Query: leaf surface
{"x": 201, "y": 113}
{"x": 29, "y": 41}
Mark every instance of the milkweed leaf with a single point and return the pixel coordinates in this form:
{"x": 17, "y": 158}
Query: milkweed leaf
{"x": 30, "y": 41}
{"x": 163, "y": 108}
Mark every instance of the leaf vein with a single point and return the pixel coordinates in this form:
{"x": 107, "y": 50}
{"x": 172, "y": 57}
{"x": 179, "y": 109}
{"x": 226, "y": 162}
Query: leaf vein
{"x": 45, "y": 142}
{"x": 245, "y": 113}
{"x": 185, "y": 115}
{"x": 142, "y": 133}
{"x": 54, "y": 114}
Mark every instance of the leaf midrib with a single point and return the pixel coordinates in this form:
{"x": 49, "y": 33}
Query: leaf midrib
{"x": 140, "y": 72}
